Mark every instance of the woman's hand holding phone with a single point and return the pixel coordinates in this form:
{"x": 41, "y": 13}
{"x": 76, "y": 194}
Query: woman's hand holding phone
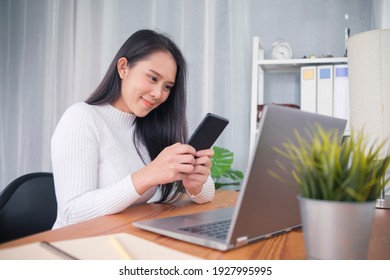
{"x": 189, "y": 163}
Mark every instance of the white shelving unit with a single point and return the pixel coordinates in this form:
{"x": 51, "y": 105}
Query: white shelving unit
{"x": 261, "y": 65}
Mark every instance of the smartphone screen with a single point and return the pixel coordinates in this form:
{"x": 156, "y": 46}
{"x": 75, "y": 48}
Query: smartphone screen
{"x": 207, "y": 132}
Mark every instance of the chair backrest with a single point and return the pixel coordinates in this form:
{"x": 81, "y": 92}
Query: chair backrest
{"x": 28, "y": 205}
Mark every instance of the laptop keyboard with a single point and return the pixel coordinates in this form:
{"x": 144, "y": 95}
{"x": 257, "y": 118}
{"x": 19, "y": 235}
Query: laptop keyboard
{"x": 218, "y": 229}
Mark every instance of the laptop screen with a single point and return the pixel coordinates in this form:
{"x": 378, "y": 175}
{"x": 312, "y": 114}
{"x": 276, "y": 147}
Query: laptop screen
{"x": 268, "y": 206}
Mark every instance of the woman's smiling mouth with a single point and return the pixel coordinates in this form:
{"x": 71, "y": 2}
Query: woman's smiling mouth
{"x": 147, "y": 103}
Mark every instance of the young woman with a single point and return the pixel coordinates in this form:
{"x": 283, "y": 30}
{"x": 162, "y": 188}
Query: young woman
{"x": 123, "y": 146}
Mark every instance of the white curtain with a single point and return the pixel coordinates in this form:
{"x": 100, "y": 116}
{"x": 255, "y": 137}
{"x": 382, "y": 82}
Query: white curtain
{"x": 54, "y": 53}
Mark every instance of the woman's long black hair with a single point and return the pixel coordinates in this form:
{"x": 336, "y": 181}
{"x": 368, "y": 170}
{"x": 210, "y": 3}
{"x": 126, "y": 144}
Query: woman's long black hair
{"x": 164, "y": 125}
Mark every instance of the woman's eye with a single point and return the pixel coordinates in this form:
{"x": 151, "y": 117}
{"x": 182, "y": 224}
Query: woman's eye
{"x": 168, "y": 88}
{"x": 153, "y": 79}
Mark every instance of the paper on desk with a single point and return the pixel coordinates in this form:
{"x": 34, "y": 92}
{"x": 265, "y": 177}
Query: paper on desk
{"x": 96, "y": 248}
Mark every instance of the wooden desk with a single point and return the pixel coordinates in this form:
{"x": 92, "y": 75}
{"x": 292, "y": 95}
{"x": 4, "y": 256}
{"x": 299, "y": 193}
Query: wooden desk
{"x": 285, "y": 246}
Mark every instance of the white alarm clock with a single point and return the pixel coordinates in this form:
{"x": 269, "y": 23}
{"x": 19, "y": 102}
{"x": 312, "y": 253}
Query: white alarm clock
{"x": 281, "y": 50}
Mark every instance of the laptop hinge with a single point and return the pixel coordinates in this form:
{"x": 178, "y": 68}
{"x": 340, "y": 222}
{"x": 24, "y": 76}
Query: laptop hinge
{"x": 241, "y": 241}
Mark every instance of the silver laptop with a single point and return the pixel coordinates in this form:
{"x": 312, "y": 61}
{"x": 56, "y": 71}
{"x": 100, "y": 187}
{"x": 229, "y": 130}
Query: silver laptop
{"x": 266, "y": 207}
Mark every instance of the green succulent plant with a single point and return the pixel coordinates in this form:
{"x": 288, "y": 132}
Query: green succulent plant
{"x": 222, "y": 168}
{"x": 324, "y": 169}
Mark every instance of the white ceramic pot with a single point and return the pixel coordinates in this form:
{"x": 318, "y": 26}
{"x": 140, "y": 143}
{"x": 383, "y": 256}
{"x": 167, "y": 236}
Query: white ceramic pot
{"x": 336, "y": 230}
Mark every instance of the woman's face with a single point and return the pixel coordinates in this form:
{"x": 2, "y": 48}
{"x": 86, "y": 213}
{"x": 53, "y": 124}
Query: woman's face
{"x": 145, "y": 84}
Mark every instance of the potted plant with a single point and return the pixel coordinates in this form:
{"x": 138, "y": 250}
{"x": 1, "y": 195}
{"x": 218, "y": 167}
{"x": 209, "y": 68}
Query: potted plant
{"x": 338, "y": 184}
{"x": 221, "y": 169}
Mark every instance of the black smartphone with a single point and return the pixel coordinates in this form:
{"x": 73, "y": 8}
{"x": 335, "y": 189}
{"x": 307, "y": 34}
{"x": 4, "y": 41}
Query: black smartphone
{"x": 207, "y": 132}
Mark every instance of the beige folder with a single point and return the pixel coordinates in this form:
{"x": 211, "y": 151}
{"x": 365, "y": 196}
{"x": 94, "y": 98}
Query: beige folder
{"x": 107, "y": 247}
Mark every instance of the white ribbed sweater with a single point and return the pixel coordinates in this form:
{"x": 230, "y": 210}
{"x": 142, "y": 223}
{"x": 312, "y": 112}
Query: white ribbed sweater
{"x": 93, "y": 157}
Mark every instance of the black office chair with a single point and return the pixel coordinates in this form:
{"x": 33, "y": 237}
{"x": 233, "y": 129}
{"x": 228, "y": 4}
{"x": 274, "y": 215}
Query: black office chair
{"x": 28, "y": 205}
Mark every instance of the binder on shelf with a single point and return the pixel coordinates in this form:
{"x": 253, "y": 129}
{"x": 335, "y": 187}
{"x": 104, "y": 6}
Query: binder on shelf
{"x": 309, "y": 89}
{"x": 325, "y": 90}
{"x": 341, "y": 93}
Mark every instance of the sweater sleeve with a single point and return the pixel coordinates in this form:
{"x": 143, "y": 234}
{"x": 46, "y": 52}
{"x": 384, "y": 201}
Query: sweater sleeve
{"x": 74, "y": 147}
{"x": 206, "y": 194}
